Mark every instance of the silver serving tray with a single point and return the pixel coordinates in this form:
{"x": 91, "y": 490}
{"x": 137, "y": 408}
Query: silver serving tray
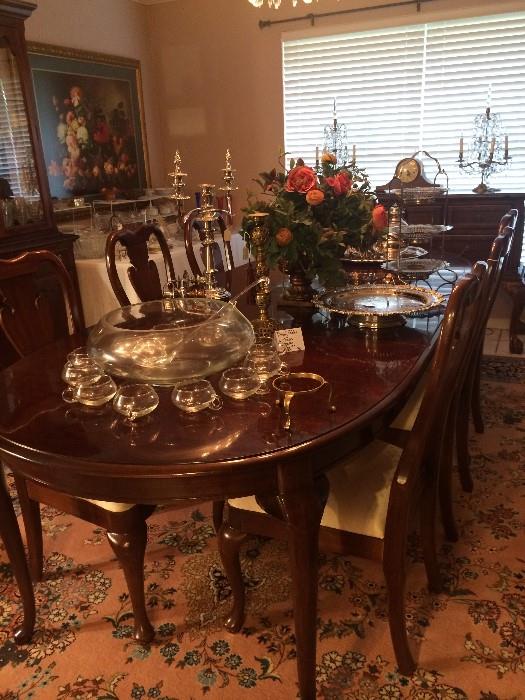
{"x": 379, "y": 305}
{"x": 416, "y": 266}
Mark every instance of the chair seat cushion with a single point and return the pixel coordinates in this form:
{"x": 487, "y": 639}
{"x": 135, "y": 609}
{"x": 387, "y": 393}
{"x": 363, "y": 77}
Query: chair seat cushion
{"x": 406, "y": 418}
{"x": 359, "y": 491}
{"x": 110, "y": 505}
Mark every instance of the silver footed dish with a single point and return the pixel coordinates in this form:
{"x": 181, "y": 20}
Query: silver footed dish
{"x": 379, "y": 305}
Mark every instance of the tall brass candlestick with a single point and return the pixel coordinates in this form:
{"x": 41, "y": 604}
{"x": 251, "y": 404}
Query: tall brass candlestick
{"x": 263, "y": 325}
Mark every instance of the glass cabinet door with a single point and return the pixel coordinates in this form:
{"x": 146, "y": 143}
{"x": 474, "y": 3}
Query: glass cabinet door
{"x": 20, "y": 200}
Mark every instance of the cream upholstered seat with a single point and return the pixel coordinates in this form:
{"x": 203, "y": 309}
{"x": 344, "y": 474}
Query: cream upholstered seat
{"x": 359, "y": 491}
{"x": 112, "y": 506}
{"x": 374, "y": 492}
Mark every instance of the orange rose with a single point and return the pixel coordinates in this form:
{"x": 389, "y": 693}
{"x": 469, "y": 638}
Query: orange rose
{"x": 300, "y": 179}
{"x": 379, "y": 217}
{"x": 283, "y": 237}
{"x": 314, "y": 197}
{"x": 328, "y": 157}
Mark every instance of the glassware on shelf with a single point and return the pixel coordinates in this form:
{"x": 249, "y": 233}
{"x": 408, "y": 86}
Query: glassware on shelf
{"x": 240, "y": 382}
{"x": 135, "y": 400}
{"x": 194, "y": 396}
{"x": 79, "y": 355}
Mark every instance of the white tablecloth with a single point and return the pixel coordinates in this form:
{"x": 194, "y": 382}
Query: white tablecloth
{"x": 95, "y": 290}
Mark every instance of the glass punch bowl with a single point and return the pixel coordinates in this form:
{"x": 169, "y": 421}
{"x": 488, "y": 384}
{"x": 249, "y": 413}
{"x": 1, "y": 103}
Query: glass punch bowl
{"x": 162, "y": 342}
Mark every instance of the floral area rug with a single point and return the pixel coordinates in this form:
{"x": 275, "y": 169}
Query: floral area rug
{"x": 469, "y": 641}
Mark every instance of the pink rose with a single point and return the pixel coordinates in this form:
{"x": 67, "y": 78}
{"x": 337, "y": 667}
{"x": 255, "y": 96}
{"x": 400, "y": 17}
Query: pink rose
{"x": 300, "y": 179}
{"x": 340, "y": 183}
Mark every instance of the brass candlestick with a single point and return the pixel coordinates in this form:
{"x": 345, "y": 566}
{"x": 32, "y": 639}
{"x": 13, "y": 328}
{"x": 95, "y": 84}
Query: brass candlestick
{"x": 179, "y": 182}
{"x": 208, "y": 215}
{"x": 229, "y": 179}
{"x": 263, "y": 325}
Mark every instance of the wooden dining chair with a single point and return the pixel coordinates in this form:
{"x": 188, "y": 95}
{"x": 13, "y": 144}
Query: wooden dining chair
{"x": 142, "y": 272}
{"x": 28, "y": 312}
{"x": 469, "y": 399}
{"x": 191, "y": 223}
{"x": 374, "y": 492}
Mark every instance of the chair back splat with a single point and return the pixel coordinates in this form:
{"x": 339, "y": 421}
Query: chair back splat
{"x": 30, "y": 300}
{"x": 142, "y": 272}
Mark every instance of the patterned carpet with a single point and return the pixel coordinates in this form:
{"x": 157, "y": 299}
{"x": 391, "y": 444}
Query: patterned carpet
{"x": 470, "y": 642}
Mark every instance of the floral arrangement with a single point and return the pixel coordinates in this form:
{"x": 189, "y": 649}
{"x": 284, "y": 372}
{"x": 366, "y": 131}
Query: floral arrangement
{"x": 315, "y": 214}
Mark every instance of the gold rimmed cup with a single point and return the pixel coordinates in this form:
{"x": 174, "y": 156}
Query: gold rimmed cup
{"x": 295, "y": 384}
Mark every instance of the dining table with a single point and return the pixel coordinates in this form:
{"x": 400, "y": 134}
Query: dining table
{"x": 240, "y": 450}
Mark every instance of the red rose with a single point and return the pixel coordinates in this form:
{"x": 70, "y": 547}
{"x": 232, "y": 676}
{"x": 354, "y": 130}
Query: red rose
{"x": 379, "y": 217}
{"x": 340, "y": 183}
{"x": 300, "y": 179}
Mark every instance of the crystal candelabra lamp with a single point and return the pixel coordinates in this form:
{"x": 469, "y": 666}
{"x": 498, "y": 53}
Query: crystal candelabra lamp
{"x": 488, "y": 150}
{"x": 179, "y": 183}
{"x": 335, "y": 139}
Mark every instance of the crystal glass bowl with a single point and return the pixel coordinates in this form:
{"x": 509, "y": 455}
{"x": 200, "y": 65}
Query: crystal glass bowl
{"x": 162, "y": 342}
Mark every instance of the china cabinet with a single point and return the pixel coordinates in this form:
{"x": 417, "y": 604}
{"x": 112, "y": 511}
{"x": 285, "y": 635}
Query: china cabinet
{"x": 26, "y": 214}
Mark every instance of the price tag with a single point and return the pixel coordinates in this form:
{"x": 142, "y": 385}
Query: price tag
{"x": 228, "y": 233}
{"x": 289, "y": 339}
{"x": 245, "y": 252}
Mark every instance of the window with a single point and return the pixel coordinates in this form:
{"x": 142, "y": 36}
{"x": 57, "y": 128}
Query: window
{"x": 402, "y": 89}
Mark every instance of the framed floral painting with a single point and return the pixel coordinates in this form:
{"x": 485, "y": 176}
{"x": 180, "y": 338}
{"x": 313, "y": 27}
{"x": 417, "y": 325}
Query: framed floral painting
{"x": 90, "y": 115}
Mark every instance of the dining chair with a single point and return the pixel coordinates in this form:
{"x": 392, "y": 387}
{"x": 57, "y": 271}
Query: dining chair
{"x": 144, "y": 277}
{"x": 375, "y": 491}
{"x": 142, "y": 272}
{"x": 466, "y": 396}
{"x": 191, "y": 223}
{"x": 28, "y": 324}
{"x": 470, "y": 397}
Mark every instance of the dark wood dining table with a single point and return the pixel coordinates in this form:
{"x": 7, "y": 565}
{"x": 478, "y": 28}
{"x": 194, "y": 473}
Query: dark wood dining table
{"x": 241, "y": 450}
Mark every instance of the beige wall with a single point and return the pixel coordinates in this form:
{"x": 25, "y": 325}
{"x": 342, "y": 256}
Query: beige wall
{"x": 211, "y": 78}
{"x": 117, "y": 27}
{"x": 220, "y": 81}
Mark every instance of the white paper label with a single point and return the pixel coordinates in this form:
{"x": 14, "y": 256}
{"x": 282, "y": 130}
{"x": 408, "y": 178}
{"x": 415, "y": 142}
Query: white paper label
{"x": 289, "y": 339}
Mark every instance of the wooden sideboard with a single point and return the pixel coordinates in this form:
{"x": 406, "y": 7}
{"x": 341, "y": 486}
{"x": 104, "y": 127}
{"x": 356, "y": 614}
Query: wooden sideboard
{"x": 475, "y": 219}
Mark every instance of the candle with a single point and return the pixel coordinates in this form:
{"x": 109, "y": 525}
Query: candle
{"x": 506, "y": 147}
{"x": 353, "y": 153}
{"x": 492, "y": 145}
{"x": 461, "y": 146}
{"x": 316, "y": 156}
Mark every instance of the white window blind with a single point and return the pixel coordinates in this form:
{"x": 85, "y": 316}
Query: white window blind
{"x": 402, "y": 89}
{"x": 16, "y": 159}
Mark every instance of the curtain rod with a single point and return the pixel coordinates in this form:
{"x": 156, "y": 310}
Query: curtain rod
{"x": 263, "y": 23}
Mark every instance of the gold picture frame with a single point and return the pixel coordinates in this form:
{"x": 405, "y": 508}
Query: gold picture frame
{"x": 91, "y": 118}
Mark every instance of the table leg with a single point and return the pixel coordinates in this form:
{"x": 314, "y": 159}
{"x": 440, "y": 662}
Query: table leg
{"x": 15, "y": 551}
{"x": 302, "y": 512}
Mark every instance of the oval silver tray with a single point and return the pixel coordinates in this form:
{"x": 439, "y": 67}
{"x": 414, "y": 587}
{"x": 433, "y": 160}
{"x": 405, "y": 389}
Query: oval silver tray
{"x": 379, "y": 305}
{"x": 416, "y": 267}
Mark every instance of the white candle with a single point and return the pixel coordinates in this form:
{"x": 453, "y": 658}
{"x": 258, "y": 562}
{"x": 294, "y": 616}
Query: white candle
{"x": 353, "y": 153}
{"x": 461, "y": 146}
{"x": 506, "y": 146}
{"x": 492, "y": 145}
